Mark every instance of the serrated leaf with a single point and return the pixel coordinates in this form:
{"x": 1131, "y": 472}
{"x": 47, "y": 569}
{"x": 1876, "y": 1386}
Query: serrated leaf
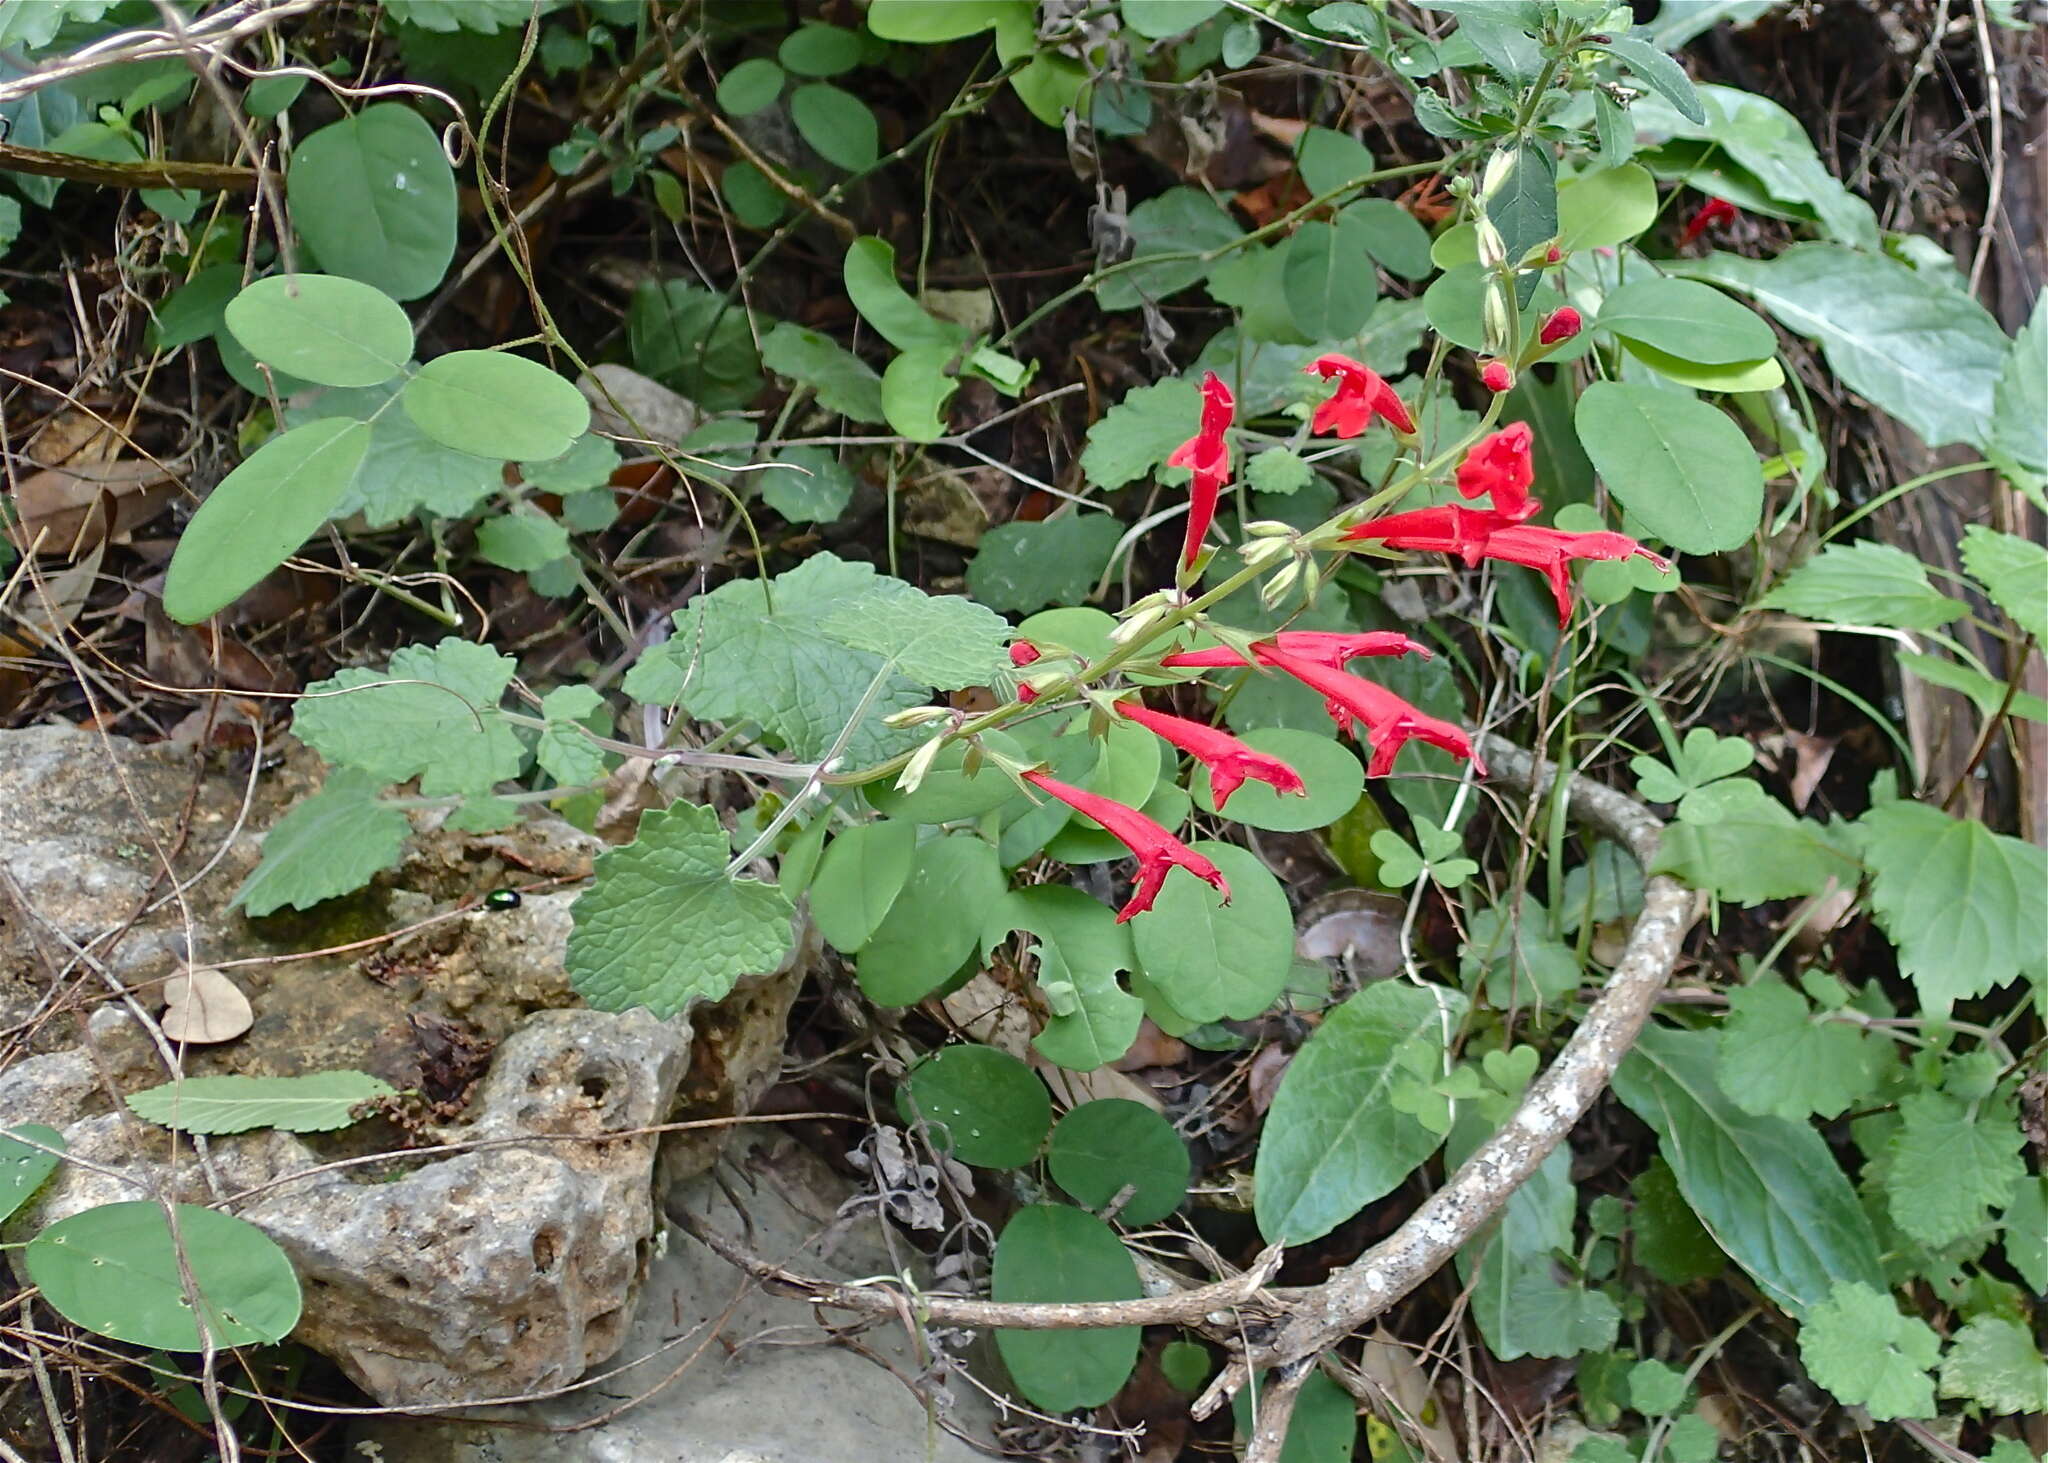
{"x": 1754, "y": 850}
{"x": 1769, "y": 1191}
{"x": 1857, "y": 1345}
{"x": 1331, "y": 1144}
{"x": 259, "y": 514}
{"x": 2015, "y": 573}
{"x": 1180, "y": 221}
{"x": 495, "y": 404}
{"x": 843, "y": 381}
{"x": 1775, "y": 1058}
{"x": 1995, "y": 1363}
{"x": 1963, "y": 904}
{"x": 2026, "y": 1232}
{"x": 118, "y": 1270}
{"x": 324, "y": 329}
{"x": 1140, "y": 432}
{"x": 732, "y": 659}
{"x": 373, "y": 195}
{"x": 1053, "y": 1252}
{"x": 1950, "y": 1166}
{"x": 1866, "y": 584}
{"x": 565, "y": 750}
{"x": 1021, "y": 567}
{"x": 587, "y": 465}
{"x": 2019, "y": 407}
{"x": 318, "y": 1102}
{"x": 433, "y": 714}
{"x": 663, "y": 927}
{"x": 939, "y": 640}
{"x": 333, "y": 843}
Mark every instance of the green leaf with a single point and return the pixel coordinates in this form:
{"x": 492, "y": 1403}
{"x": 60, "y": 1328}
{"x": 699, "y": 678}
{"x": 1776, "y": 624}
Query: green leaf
{"x": 1752, "y": 376}
{"x": 318, "y": 1102}
{"x": 1158, "y": 19}
{"x": 984, "y": 1106}
{"x": 1681, "y": 467}
{"x": 565, "y": 751}
{"x": 1769, "y": 1191}
{"x": 1331, "y": 1143}
{"x": 1051, "y": 1252}
{"x": 485, "y": 16}
{"x": 1669, "y": 1241}
{"x": 820, "y": 50}
{"x": 1215, "y": 961}
{"x": 2014, "y": 571}
{"x": 1081, "y": 944}
{"x": 1745, "y": 847}
{"x": 1657, "y": 71}
{"x": 1599, "y": 210}
{"x": 842, "y": 380}
{"x": 268, "y": 96}
{"x": 1021, "y": 567}
{"x": 523, "y": 539}
{"x": 1333, "y": 775}
{"x": 117, "y": 1270}
{"x": 2026, "y": 1233}
{"x": 807, "y": 485}
{"x": 1185, "y": 1365}
{"x": 754, "y": 200}
{"x": 1510, "y": 941}
{"x": 1776, "y": 1058}
{"x": 1278, "y": 470}
{"x": 858, "y": 878}
{"x": 433, "y": 715}
{"x": 1392, "y": 236}
{"x": 950, "y": 793}
{"x": 694, "y": 341}
{"x": 1138, "y": 434}
{"x": 1523, "y": 206}
{"x": 331, "y": 331}
{"x": 1655, "y": 1389}
{"x": 259, "y": 514}
{"x": 22, "y": 1167}
{"x": 1961, "y": 903}
{"x": 404, "y": 470}
{"x": 915, "y": 389}
{"x": 1102, "y": 1147}
{"x": 1857, "y": 1345}
{"x": 587, "y": 465}
{"x": 373, "y": 196}
{"x": 333, "y": 843}
{"x": 926, "y": 22}
{"x": 870, "y": 274}
{"x": 1180, "y": 221}
{"x": 1866, "y": 584}
{"x": 494, "y": 404}
{"x": 933, "y": 927}
{"x": 1916, "y": 348}
{"x": 1703, "y": 757}
{"x": 1328, "y": 296}
{"x": 663, "y": 926}
{"x": 1324, "y": 1427}
{"x": 1989, "y": 695}
{"x": 2019, "y": 407}
{"x": 1694, "y": 322}
{"x": 1950, "y": 1166}
{"x": 191, "y": 312}
{"x": 837, "y": 124}
{"x": 1995, "y": 1363}
{"x": 1329, "y": 161}
{"x": 749, "y": 87}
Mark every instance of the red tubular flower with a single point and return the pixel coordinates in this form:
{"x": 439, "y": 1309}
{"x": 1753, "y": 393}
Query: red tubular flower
{"x": 1713, "y": 211}
{"x": 1023, "y": 653}
{"x": 1325, "y": 647}
{"x": 1501, "y": 465}
{"x": 1157, "y": 851}
{"x": 1559, "y": 325}
{"x": 1207, "y": 456}
{"x": 1390, "y": 722}
{"x": 1361, "y": 395}
{"x": 1229, "y": 760}
{"x": 1496, "y": 376}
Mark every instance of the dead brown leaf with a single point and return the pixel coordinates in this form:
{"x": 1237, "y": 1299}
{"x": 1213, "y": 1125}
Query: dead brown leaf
{"x": 66, "y": 510}
{"x": 202, "y": 1005}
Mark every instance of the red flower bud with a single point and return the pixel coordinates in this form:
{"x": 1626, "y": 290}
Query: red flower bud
{"x": 1555, "y": 256}
{"x": 1023, "y": 653}
{"x": 1497, "y": 377}
{"x": 1560, "y": 325}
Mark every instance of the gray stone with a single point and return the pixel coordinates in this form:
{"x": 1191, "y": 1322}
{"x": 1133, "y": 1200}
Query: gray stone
{"x": 718, "y": 1372}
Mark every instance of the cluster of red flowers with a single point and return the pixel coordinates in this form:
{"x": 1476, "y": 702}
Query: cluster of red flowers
{"x": 1499, "y": 468}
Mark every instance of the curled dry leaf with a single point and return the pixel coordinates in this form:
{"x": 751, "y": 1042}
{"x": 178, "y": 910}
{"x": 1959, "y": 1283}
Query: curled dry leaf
{"x": 983, "y": 1010}
{"x": 68, "y": 510}
{"x": 202, "y": 1005}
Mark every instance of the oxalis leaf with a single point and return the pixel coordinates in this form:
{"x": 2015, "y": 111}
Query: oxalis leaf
{"x": 333, "y": 843}
{"x": 663, "y": 927}
{"x": 432, "y": 715}
{"x": 316, "y": 1103}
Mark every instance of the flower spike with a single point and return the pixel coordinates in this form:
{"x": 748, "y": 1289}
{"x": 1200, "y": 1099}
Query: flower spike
{"x": 1390, "y": 722}
{"x": 1207, "y": 456}
{"x": 1229, "y": 760}
{"x": 1361, "y": 396}
{"x": 1157, "y": 851}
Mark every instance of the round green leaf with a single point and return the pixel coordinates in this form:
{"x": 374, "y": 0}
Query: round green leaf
{"x": 989, "y": 1107}
{"x": 934, "y": 925}
{"x": 1764, "y": 375}
{"x": 1158, "y": 19}
{"x": 1692, "y": 321}
{"x": 114, "y": 1270}
{"x": 820, "y": 50}
{"x": 374, "y": 198}
{"x": 1185, "y": 1365}
{"x": 915, "y": 390}
{"x": 1100, "y": 1147}
{"x": 269, "y": 95}
{"x": 755, "y": 201}
{"x": 1608, "y": 207}
{"x": 1681, "y": 467}
{"x": 1079, "y": 628}
{"x": 1391, "y": 232}
{"x": 496, "y": 405}
{"x": 1334, "y": 777}
{"x": 332, "y": 331}
{"x": 22, "y": 1168}
{"x": 859, "y": 878}
{"x": 1051, "y": 1252}
{"x": 1330, "y": 293}
{"x": 523, "y": 540}
{"x": 1214, "y": 961}
{"x": 750, "y": 86}
{"x": 1329, "y": 160}
{"x": 837, "y": 124}
{"x": 948, "y": 793}
{"x": 260, "y": 513}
